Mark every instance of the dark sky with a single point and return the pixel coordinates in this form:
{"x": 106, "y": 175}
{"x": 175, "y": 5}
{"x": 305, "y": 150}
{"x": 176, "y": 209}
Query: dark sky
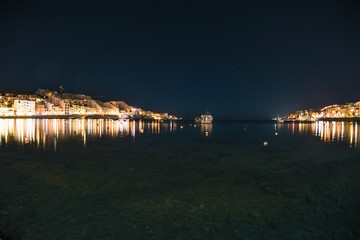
{"x": 236, "y": 59}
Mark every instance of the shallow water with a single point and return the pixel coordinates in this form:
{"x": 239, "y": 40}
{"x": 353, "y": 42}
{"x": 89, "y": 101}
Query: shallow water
{"x": 105, "y": 179}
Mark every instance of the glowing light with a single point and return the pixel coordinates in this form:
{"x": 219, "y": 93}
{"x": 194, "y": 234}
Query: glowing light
{"x": 356, "y": 135}
{"x": 206, "y": 129}
{"x": 351, "y": 134}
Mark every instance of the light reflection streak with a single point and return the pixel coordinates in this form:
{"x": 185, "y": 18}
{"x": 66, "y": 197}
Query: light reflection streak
{"x": 49, "y": 133}
{"x": 155, "y": 127}
{"x": 356, "y": 135}
{"x": 351, "y": 134}
{"x": 206, "y": 129}
{"x": 329, "y": 132}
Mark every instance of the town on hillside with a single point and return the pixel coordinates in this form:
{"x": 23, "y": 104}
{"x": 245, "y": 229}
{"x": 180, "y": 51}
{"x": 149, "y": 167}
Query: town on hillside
{"x": 337, "y": 111}
{"x": 46, "y": 103}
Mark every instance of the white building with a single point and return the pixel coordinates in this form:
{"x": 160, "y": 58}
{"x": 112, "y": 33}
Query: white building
{"x": 65, "y": 105}
{"x": 5, "y": 111}
{"x": 24, "y": 107}
{"x": 78, "y": 110}
{"x": 49, "y": 107}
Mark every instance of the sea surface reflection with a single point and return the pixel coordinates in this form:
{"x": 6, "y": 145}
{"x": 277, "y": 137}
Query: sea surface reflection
{"x": 327, "y": 131}
{"x": 45, "y": 133}
{"x": 49, "y": 133}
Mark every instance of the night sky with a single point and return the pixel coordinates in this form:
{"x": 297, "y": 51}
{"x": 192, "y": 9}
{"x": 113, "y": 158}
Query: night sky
{"x": 241, "y": 59}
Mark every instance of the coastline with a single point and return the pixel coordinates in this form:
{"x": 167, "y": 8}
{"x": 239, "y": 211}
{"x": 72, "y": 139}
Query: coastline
{"x": 325, "y": 119}
{"x": 95, "y": 116}
{"x": 341, "y": 119}
{"x": 100, "y": 116}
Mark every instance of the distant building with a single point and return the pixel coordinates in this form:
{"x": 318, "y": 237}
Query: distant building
{"x": 78, "y": 110}
{"x": 6, "y": 111}
{"x": 40, "y": 108}
{"x": 46, "y": 102}
{"x": 65, "y": 105}
{"x": 24, "y": 107}
{"x": 49, "y": 107}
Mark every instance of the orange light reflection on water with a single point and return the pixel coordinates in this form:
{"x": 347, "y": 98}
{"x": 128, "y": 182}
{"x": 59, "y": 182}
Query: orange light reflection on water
{"x": 329, "y": 131}
{"x": 45, "y": 133}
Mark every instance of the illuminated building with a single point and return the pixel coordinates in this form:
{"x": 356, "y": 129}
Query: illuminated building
{"x": 341, "y": 111}
{"x": 51, "y": 103}
{"x": 24, "y": 108}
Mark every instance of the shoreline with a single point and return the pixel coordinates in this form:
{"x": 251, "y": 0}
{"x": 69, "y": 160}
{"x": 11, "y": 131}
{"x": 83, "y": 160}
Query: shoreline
{"x": 63, "y": 117}
{"x": 95, "y": 116}
{"x": 341, "y": 119}
{"x": 325, "y": 119}
{"x": 115, "y": 117}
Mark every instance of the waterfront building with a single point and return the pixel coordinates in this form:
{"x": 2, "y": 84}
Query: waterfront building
{"x": 24, "y": 107}
{"x": 78, "y": 110}
{"x": 6, "y": 112}
{"x": 49, "y": 108}
{"x": 46, "y": 102}
{"x": 7, "y": 99}
{"x": 40, "y": 108}
{"x": 65, "y": 105}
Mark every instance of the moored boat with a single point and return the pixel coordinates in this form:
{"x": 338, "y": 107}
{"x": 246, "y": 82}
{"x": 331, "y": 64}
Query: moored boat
{"x": 280, "y": 120}
{"x": 123, "y": 117}
{"x": 206, "y": 118}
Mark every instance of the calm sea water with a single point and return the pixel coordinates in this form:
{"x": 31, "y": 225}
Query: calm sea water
{"x": 105, "y": 179}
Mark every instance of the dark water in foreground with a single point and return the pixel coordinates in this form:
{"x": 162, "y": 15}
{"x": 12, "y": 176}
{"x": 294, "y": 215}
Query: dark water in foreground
{"x": 97, "y": 179}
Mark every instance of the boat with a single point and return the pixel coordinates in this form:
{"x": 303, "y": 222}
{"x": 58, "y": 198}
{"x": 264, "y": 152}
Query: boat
{"x": 204, "y": 118}
{"x": 123, "y": 117}
{"x": 279, "y": 120}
